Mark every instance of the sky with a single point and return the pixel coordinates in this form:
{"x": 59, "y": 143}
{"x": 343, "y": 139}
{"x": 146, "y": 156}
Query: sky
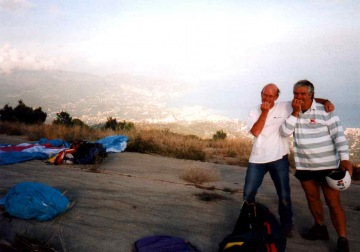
{"x": 216, "y": 53}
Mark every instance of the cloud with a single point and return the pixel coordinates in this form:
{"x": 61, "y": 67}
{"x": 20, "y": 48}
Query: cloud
{"x": 15, "y": 5}
{"x": 14, "y": 59}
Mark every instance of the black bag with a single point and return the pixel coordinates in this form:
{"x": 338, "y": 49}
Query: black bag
{"x": 256, "y": 230}
{"x": 88, "y": 153}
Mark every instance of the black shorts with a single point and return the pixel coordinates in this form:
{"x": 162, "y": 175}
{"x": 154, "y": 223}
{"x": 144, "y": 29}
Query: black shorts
{"x": 319, "y": 176}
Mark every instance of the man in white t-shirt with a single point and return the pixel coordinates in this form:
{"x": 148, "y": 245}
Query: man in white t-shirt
{"x": 270, "y": 152}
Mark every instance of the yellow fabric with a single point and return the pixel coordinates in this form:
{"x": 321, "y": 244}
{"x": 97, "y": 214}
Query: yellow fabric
{"x": 51, "y": 160}
{"x": 231, "y": 244}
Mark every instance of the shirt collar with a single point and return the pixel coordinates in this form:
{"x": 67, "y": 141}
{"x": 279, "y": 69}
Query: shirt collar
{"x": 312, "y": 107}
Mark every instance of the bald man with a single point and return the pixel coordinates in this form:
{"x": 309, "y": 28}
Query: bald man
{"x": 270, "y": 152}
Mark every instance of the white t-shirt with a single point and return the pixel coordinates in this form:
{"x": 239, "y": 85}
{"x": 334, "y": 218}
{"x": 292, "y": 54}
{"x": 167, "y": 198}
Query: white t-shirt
{"x": 269, "y": 145}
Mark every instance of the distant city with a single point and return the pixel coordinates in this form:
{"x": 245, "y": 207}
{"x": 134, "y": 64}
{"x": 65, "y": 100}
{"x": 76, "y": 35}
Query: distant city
{"x": 93, "y": 99}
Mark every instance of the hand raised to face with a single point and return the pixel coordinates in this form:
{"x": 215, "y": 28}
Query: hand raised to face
{"x": 265, "y": 106}
{"x": 296, "y": 105}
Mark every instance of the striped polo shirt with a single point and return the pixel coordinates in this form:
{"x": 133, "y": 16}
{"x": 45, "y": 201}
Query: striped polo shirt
{"x": 319, "y": 140}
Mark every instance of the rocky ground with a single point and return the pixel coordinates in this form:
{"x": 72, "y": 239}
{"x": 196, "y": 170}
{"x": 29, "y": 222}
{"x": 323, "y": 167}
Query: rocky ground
{"x": 133, "y": 195}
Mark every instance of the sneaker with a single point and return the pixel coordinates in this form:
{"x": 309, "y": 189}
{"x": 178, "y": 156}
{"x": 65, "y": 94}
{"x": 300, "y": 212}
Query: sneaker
{"x": 342, "y": 245}
{"x": 317, "y": 232}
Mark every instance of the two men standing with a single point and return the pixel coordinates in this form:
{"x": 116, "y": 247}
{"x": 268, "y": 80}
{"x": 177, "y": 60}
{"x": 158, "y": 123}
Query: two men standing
{"x": 270, "y": 124}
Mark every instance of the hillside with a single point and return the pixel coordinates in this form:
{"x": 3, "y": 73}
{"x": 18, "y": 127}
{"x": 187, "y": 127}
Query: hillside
{"x": 93, "y": 99}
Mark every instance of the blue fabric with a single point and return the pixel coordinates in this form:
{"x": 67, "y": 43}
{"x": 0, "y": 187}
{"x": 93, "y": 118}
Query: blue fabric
{"x": 54, "y": 142}
{"x": 116, "y": 143}
{"x": 18, "y": 157}
{"x": 13, "y": 157}
{"x": 32, "y": 200}
{"x": 279, "y": 172}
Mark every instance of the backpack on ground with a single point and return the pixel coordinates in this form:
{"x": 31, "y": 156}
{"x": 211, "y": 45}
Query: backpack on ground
{"x": 163, "y": 243}
{"x": 88, "y": 153}
{"x": 256, "y": 230}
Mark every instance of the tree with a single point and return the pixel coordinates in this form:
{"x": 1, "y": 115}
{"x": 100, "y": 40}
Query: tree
{"x": 111, "y": 123}
{"x": 78, "y": 122}
{"x": 40, "y": 115}
{"x": 126, "y": 125}
{"x": 219, "y": 135}
{"x": 22, "y": 113}
{"x": 7, "y": 113}
{"x": 63, "y": 118}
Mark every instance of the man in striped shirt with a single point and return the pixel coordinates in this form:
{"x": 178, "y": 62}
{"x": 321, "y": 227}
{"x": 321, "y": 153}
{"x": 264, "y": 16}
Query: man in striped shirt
{"x": 320, "y": 147}
{"x": 270, "y": 151}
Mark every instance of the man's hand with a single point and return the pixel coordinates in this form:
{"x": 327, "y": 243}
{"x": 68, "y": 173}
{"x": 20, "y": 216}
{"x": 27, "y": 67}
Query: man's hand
{"x": 346, "y": 165}
{"x": 329, "y": 107}
{"x": 265, "y": 107}
{"x": 260, "y": 123}
{"x": 296, "y": 105}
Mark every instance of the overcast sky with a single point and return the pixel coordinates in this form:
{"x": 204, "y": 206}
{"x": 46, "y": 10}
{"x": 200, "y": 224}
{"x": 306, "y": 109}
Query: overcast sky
{"x": 222, "y": 49}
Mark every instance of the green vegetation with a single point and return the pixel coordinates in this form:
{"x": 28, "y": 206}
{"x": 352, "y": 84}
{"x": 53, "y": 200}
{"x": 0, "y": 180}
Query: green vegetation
{"x": 219, "y": 135}
{"x": 112, "y": 124}
{"x": 22, "y": 113}
{"x": 64, "y": 118}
